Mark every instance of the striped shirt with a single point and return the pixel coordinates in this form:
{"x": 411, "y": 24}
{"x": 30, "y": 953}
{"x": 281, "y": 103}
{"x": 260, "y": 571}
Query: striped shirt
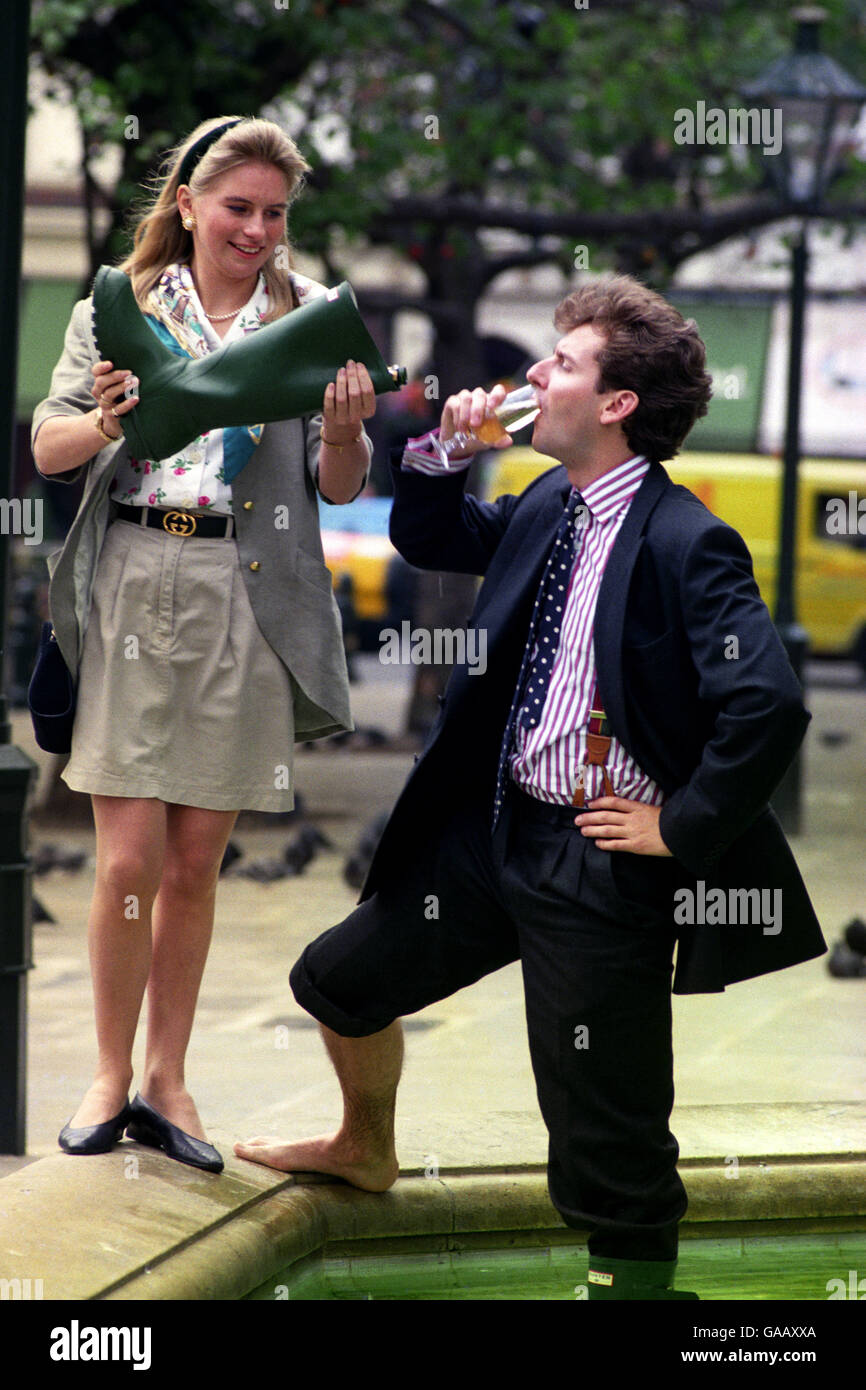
{"x": 546, "y": 760}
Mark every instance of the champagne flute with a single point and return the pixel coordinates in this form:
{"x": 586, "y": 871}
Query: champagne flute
{"x": 519, "y": 408}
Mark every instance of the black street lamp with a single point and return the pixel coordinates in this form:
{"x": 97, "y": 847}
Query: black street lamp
{"x": 820, "y": 106}
{"x": 16, "y": 769}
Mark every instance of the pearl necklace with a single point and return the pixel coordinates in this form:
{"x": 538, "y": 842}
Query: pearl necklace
{"x": 221, "y": 318}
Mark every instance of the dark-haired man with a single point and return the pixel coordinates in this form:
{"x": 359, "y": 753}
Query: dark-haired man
{"x": 606, "y": 588}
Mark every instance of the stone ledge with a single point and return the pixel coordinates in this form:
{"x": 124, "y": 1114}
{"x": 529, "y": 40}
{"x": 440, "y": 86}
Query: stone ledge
{"x": 134, "y": 1225}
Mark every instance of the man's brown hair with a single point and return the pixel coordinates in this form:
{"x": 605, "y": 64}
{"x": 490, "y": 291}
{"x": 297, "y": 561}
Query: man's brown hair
{"x": 651, "y": 350}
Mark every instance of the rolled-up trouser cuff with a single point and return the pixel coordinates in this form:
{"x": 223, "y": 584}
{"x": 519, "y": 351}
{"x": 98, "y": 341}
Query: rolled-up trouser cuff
{"x": 658, "y": 1245}
{"x": 325, "y": 1012}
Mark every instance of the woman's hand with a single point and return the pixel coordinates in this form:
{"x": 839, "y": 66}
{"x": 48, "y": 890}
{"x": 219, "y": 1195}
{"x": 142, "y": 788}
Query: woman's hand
{"x": 348, "y": 402}
{"x": 343, "y": 459}
{"x": 110, "y": 391}
{"x": 64, "y": 442}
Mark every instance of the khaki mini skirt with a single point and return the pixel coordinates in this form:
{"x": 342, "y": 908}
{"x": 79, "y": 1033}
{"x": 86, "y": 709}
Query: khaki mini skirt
{"x": 180, "y": 697}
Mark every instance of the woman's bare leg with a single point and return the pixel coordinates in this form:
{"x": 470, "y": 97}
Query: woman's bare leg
{"x": 130, "y": 845}
{"x": 183, "y": 916}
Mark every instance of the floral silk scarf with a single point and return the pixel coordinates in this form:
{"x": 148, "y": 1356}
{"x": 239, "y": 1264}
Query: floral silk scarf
{"x": 172, "y": 315}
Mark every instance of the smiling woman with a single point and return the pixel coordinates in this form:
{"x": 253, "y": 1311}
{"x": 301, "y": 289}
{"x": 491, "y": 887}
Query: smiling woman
{"x": 205, "y": 640}
{"x": 226, "y": 195}
{"x": 238, "y": 222}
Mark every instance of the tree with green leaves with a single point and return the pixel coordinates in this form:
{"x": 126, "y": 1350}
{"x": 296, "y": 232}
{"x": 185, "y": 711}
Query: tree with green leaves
{"x": 472, "y": 138}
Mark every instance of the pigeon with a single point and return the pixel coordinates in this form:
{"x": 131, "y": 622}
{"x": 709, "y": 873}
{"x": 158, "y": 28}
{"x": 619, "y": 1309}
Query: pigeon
{"x": 39, "y": 912}
{"x": 297, "y": 854}
{"x": 302, "y": 849}
{"x": 51, "y": 856}
{"x": 360, "y": 739}
{"x": 265, "y": 870}
{"x": 356, "y": 866}
{"x": 233, "y": 852}
{"x": 846, "y": 964}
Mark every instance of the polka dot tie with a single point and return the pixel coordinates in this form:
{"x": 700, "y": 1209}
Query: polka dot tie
{"x": 542, "y": 642}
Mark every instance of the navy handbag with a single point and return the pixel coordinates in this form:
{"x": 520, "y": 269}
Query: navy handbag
{"x": 51, "y": 696}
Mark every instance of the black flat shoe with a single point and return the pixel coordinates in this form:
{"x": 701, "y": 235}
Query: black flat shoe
{"x": 146, "y": 1126}
{"x": 94, "y": 1139}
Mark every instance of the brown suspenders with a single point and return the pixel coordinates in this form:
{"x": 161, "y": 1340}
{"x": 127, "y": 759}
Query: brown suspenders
{"x": 597, "y": 748}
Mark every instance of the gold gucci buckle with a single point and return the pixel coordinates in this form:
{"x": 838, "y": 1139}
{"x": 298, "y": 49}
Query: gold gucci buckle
{"x": 179, "y": 523}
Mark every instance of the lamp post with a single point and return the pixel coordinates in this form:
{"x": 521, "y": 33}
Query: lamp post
{"x": 16, "y": 769}
{"x": 820, "y": 105}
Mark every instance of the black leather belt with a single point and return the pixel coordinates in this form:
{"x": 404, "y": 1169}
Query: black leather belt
{"x": 551, "y": 813}
{"x": 178, "y": 523}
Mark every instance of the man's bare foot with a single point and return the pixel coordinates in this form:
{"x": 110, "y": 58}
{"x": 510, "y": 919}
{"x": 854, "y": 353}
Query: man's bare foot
{"x": 372, "y": 1173}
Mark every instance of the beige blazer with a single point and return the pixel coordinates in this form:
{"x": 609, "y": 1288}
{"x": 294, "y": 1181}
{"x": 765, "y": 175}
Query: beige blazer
{"x": 277, "y": 534}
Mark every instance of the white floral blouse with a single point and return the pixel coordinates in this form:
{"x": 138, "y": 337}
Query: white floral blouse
{"x": 194, "y": 477}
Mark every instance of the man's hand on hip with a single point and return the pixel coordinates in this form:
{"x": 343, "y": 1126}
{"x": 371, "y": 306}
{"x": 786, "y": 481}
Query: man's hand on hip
{"x": 617, "y": 824}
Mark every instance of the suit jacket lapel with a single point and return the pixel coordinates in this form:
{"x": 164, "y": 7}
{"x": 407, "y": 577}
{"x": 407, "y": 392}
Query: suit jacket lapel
{"x": 523, "y": 563}
{"x": 612, "y": 598}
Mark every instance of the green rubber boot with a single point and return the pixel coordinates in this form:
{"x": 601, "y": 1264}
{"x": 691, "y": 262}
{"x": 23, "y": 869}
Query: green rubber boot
{"x": 277, "y": 373}
{"x": 632, "y": 1280}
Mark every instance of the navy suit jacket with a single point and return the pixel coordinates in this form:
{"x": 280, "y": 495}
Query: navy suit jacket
{"x": 695, "y": 681}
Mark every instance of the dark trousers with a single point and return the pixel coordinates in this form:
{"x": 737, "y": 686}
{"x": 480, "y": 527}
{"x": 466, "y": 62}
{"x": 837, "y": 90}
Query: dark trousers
{"x": 593, "y": 931}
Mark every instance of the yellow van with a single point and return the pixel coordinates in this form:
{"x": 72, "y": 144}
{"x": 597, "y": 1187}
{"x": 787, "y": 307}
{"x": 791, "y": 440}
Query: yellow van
{"x": 745, "y": 491}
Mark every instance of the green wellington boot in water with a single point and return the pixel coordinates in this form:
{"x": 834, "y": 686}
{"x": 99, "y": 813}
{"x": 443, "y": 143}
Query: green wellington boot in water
{"x": 277, "y": 373}
{"x": 632, "y": 1280}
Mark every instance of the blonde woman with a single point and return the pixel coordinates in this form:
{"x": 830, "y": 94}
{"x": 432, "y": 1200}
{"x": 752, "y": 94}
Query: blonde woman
{"x": 200, "y": 657}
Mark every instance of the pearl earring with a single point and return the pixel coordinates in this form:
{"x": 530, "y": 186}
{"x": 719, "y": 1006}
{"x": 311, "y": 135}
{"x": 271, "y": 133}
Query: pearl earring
{"x": 189, "y": 223}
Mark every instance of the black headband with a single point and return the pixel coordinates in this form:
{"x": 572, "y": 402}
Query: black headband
{"x": 201, "y": 147}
